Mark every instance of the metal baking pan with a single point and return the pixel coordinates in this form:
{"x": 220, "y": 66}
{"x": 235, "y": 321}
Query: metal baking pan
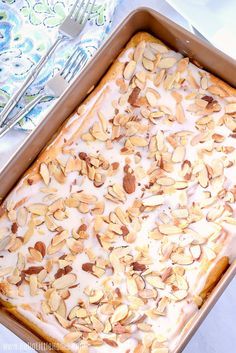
{"x": 142, "y": 19}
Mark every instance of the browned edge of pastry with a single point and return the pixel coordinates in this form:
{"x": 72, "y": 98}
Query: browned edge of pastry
{"x": 11, "y": 310}
{"x": 51, "y": 150}
{"x": 214, "y": 276}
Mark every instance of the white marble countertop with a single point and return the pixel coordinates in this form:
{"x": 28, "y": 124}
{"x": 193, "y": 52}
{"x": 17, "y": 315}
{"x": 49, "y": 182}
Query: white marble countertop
{"x": 218, "y": 332}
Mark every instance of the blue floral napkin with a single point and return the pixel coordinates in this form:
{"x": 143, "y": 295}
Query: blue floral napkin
{"x": 27, "y": 29}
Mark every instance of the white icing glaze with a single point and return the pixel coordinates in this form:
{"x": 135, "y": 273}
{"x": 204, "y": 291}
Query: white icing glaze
{"x": 178, "y": 313}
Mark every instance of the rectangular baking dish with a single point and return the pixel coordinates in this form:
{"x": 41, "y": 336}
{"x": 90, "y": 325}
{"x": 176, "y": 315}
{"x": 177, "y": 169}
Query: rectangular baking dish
{"x": 175, "y": 37}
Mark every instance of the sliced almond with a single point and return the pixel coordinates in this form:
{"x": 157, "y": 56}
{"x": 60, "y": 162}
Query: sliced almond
{"x": 72, "y": 337}
{"x": 158, "y": 48}
{"x": 38, "y": 209}
{"x": 195, "y": 251}
{"x": 148, "y": 293}
{"x": 210, "y": 254}
{"x": 204, "y": 83}
{"x": 85, "y": 198}
{"x": 165, "y": 181}
{"x": 6, "y": 271}
{"x": 178, "y": 154}
{"x": 181, "y": 259}
{"x": 129, "y": 69}
{"x": 64, "y": 281}
{"x": 180, "y": 116}
{"x": 54, "y": 301}
{"x": 155, "y": 200}
{"x": 148, "y": 64}
{"x": 40, "y": 246}
{"x": 230, "y": 108}
{"x": 36, "y": 255}
{"x": 120, "y": 313}
{"x": 152, "y": 97}
{"x": 169, "y": 229}
{"x": 44, "y": 172}
{"x": 132, "y": 286}
{"x": 5, "y": 242}
{"x": 167, "y": 63}
{"x": 155, "y": 281}
{"x": 33, "y": 285}
{"x": 148, "y": 54}
{"x": 138, "y": 141}
{"x": 182, "y": 64}
{"x": 180, "y": 294}
{"x": 96, "y": 296}
{"x": 22, "y": 215}
{"x": 138, "y": 52}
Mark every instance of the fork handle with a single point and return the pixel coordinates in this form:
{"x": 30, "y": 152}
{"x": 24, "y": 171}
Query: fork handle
{"x": 13, "y": 121}
{"x": 31, "y": 77}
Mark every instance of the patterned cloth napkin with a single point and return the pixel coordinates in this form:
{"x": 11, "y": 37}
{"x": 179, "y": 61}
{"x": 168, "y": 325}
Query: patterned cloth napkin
{"x": 27, "y": 29}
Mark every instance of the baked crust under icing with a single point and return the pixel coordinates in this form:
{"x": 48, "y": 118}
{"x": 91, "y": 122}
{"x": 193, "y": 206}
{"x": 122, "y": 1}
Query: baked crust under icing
{"x": 123, "y": 225}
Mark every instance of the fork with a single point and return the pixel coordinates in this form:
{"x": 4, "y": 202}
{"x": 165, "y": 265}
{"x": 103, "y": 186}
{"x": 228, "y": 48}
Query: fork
{"x": 70, "y": 28}
{"x": 55, "y": 87}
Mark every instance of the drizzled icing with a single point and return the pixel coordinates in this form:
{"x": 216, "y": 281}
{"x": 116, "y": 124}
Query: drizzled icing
{"x": 107, "y": 101}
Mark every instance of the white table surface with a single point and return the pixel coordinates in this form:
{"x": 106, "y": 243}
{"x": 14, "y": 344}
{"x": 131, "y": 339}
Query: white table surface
{"x": 218, "y": 332}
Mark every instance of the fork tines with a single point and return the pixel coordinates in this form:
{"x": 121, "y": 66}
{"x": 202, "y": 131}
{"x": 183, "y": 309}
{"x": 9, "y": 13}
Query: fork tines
{"x": 81, "y": 10}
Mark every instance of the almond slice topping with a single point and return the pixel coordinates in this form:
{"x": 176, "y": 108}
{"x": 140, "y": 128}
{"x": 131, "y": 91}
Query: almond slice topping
{"x": 44, "y": 172}
{"x": 120, "y": 313}
{"x": 138, "y": 141}
{"x": 64, "y": 281}
{"x": 155, "y": 200}
{"x": 129, "y": 70}
{"x": 38, "y": 209}
{"x": 167, "y": 63}
{"x": 169, "y": 229}
{"x": 178, "y": 154}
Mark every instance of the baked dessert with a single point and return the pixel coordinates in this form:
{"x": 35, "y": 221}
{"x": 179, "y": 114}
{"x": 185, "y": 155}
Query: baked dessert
{"x": 121, "y": 228}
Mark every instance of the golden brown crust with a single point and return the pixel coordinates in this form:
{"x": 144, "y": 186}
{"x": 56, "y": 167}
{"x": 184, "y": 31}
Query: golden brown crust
{"x": 50, "y": 152}
{"x": 34, "y": 328}
{"x": 225, "y": 86}
{"x": 214, "y": 276}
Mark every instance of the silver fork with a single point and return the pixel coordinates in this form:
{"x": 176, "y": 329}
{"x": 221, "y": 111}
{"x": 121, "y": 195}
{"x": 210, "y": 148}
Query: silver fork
{"x": 54, "y": 87}
{"x": 69, "y": 29}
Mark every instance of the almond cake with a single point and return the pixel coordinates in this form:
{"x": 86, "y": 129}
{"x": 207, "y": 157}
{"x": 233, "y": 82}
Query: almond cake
{"x": 119, "y": 231}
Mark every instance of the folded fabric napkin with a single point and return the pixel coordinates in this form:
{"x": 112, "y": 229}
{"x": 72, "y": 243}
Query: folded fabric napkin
{"x": 27, "y": 30}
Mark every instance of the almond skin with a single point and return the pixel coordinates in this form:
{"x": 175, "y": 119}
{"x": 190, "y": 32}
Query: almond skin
{"x": 14, "y": 228}
{"x": 40, "y": 246}
{"x": 129, "y": 182}
{"x": 134, "y": 97}
{"x": 33, "y": 270}
{"x": 110, "y": 342}
{"x": 63, "y": 271}
{"x": 138, "y": 267}
{"x": 88, "y": 267}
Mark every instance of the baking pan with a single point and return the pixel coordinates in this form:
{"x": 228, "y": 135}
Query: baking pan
{"x": 175, "y": 37}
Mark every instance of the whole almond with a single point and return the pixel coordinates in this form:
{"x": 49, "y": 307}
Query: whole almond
{"x": 129, "y": 182}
